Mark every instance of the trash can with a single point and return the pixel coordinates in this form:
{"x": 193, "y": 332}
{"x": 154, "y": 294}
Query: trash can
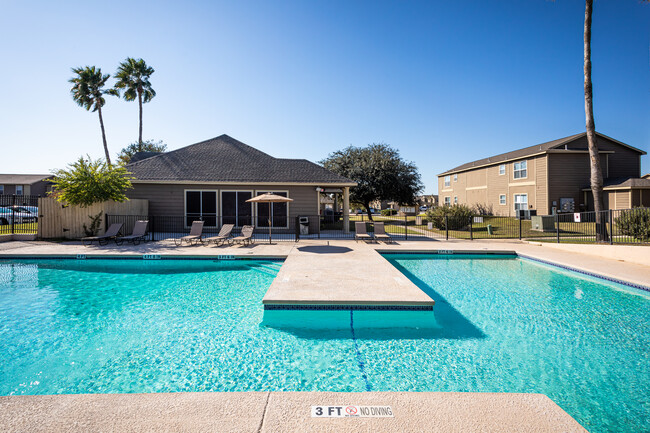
{"x": 304, "y": 225}
{"x": 489, "y": 229}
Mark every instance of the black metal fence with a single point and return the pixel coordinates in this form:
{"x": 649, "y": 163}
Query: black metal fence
{"x": 18, "y": 214}
{"x": 629, "y": 226}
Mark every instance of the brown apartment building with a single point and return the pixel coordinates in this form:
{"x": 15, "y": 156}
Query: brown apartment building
{"x": 548, "y": 177}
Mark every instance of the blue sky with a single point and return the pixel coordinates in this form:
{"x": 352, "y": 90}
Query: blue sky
{"x": 445, "y": 82}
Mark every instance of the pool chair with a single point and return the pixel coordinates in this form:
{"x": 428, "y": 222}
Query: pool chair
{"x": 195, "y": 236}
{"x": 111, "y": 233}
{"x": 360, "y": 231}
{"x": 245, "y": 237}
{"x": 222, "y": 237}
{"x": 138, "y": 235}
{"x": 380, "y": 233}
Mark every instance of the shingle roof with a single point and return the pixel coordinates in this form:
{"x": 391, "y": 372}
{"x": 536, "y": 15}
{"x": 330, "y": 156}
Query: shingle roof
{"x": 224, "y": 159}
{"x": 22, "y": 179}
{"x": 626, "y": 182}
{"x": 527, "y": 151}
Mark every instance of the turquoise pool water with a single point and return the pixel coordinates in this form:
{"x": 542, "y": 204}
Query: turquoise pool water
{"x": 501, "y": 325}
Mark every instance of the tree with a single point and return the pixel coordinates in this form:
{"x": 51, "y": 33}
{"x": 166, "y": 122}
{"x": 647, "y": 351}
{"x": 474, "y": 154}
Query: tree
{"x": 380, "y": 173}
{"x": 88, "y": 92}
{"x": 133, "y": 77}
{"x": 86, "y": 182}
{"x": 127, "y": 153}
{"x": 596, "y": 178}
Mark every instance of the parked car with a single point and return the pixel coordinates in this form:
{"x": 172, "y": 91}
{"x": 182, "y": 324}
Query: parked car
{"x": 16, "y": 215}
{"x": 424, "y": 208}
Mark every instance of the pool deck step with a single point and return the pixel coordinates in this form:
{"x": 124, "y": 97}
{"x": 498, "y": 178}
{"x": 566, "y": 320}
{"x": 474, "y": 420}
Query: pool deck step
{"x": 342, "y": 273}
{"x": 283, "y": 412}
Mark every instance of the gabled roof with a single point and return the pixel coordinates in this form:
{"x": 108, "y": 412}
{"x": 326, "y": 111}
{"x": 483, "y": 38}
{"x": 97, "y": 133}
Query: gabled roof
{"x": 528, "y": 151}
{"x": 226, "y": 160}
{"x": 22, "y": 179}
{"x": 624, "y": 183}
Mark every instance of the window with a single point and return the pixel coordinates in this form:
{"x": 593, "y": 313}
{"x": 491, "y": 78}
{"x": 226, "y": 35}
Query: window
{"x": 520, "y": 170}
{"x": 201, "y": 205}
{"x": 455, "y": 178}
{"x": 455, "y": 200}
{"x": 521, "y": 202}
{"x": 502, "y": 199}
{"x": 447, "y": 201}
{"x": 19, "y": 190}
{"x": 279, "y": 215}
{"x": 447, "y": 180}
{"x": 2, "y": 189}
{"x": 234, "y": 208}
{"x": 502, "y": 169}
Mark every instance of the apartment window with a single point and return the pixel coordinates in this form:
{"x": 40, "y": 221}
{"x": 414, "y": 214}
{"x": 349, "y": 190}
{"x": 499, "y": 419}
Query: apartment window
{"x": 19, "y": 190}
{"x": 447, "y": 201}
{"x": 502, "y": 169}
{"x": 201, "y": 205}
{"x": 455, "y": 178}
{"x": 521, "y": 202}
{"x": 502, "y": 199}
{"x": 279, "y": 212}
{"x": 520, "y": 171}
{"x": 455, "y": 200}
{"x": 447, "y": 180}
{"x": 234, "y": 209}
{"x": 2, "y": 189}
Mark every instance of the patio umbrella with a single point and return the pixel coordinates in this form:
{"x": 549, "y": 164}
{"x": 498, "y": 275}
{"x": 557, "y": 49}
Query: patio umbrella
{"x": 269, "y": 198}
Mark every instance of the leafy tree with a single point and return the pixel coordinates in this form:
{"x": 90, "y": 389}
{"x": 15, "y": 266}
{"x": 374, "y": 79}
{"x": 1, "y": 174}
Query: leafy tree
{"x": 86, "y": 182}
{"x": 146, "y": 146}
{"x": 133, "y": 77}
{"x": 88, "y": 92}
{"x": 380, "y": 173}
{"x": 455, "y": 217}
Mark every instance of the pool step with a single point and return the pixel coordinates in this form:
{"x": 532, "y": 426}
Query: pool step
{"x": 265, "y": 269}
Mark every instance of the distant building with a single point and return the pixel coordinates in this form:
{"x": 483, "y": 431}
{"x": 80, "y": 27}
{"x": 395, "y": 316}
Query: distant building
{"x": 25, "y": 184}
{"x": 548, "y": 177}
{"x": 428, "y": 200}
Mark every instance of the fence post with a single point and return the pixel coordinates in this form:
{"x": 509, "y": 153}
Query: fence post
{"x": 318, "y": 221}
{"x": 406, "y": 230}
{"x": 151, "y": 227}
{"x": 105, "y": 222}
{"x": 519, "y": 228}
{"x": 557, "y": 226}
{"x": 611, "y": 228}
{"x": 13, "y": 214}
{"x": 297, "y": 230}
{"x": 447, "y": 227}
{"x": 471, "y": 227}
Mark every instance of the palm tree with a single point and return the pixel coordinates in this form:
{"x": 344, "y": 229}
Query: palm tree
{"x": 88, "y": 92}
{"x": 594, "y": 157}
{"x": 133, "y": 76}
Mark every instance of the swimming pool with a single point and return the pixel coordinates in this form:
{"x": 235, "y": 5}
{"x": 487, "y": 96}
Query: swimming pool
{"x": 502, "y": 325}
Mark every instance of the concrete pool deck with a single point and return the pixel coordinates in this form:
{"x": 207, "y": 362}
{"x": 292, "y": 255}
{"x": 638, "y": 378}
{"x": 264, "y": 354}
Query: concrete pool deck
{"x": 283, "y": 412}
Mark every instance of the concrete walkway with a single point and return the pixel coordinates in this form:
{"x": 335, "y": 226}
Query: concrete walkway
{"x": 283, "y": 412}
{"x": 342, "y": 273}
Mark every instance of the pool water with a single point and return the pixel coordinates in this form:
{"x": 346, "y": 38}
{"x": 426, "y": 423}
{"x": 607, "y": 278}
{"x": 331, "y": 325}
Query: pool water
{"x": 502, "y": 325}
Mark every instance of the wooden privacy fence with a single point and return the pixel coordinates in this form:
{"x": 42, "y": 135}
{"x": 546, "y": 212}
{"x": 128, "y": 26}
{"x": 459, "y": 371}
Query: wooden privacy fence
{"x": 57, "y": 221}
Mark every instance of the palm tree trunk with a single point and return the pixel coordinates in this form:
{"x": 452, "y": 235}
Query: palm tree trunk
{"x": 594, "y": 157}
{"x": 140, "y": 134}
{"x": 101, "y": 123}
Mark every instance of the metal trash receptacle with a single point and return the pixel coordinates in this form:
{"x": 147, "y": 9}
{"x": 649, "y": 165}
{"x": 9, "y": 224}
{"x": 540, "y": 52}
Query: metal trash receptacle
{"x": 304, "y": 225}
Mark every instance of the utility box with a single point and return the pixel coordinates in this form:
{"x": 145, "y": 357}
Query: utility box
{"x": 304, "y": 225}
{"x": 543, "y": 223}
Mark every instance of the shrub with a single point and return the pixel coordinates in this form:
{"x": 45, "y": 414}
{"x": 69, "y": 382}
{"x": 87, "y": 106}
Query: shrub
{"x": 635, "y": 222}
{"x": 458, "y": 216}
{"x": 95, "y": 221}
{"x": 388, "y": 212}
{"x": 483, "y": 209}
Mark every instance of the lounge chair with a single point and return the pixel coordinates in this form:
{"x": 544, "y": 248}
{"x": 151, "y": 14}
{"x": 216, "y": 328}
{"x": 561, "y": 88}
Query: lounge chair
{"x": 195, "y": 236}
{"x": 222, "y": 237}
{"x": 380, "y": 233}
{"x": 360, "y": 231}
{"x": 139, "y": 233}
{"x": 245, "y": 237}
{"x": 111, "y": 233}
